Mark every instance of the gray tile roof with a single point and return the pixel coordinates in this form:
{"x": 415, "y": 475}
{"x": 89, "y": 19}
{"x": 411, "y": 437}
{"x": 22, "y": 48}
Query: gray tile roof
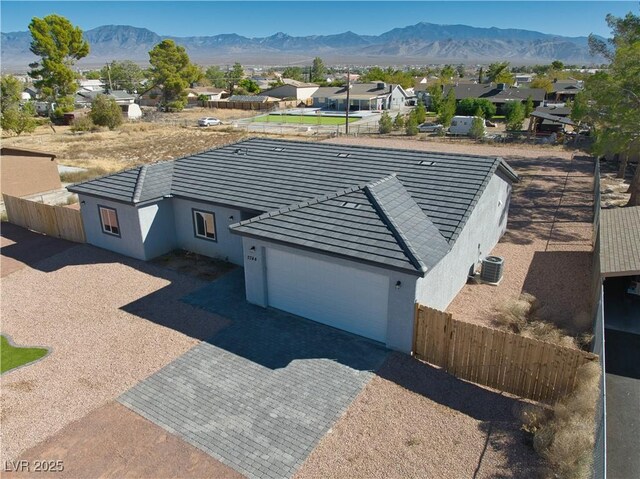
{"x": 262, "y": 175}
{"x": 494, "y": 94}
{"x": 378, "y": 222}
{"x": 620, "y": 241}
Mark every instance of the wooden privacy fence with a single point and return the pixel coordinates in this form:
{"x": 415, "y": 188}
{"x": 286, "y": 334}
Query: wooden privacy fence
{"x": 499, "y": 359}
{"x": 51, "y": 220}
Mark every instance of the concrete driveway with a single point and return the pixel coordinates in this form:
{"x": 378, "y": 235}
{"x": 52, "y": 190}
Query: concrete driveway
{"x": 259, "y": 394}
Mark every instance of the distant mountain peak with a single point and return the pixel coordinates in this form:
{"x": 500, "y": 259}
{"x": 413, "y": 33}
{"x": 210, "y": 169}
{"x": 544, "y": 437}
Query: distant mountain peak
{"x": 422, "y": 42}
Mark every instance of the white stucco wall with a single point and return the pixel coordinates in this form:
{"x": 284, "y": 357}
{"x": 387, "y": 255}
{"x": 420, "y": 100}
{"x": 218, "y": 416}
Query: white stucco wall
{"x": 227, "y": 246}
{"x": 483, "y": 230}
{"x": 400, "y": 312}
{"x": 129, "y": 243}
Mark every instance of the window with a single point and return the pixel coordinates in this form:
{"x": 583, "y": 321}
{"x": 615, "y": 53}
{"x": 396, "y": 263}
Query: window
{"x": 204, "y": 224}
{"x": 109, "y": 221}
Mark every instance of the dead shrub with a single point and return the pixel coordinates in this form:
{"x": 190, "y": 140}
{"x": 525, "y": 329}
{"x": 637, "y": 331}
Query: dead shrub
{"x": 564, "y": 436}
{"x": 520, "y": 315}
{"x": 83, "y": 123}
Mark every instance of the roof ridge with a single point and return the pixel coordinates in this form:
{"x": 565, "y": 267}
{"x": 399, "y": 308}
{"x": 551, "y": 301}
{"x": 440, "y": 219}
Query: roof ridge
{"x": 301, "y": 204}
{"x": 137, "y": 191}
{"x": 397, "y": 232}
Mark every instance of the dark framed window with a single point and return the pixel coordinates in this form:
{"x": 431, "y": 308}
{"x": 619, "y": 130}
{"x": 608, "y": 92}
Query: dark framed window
{"x": 109, "y": 220}
{"x": 204, "y": 224}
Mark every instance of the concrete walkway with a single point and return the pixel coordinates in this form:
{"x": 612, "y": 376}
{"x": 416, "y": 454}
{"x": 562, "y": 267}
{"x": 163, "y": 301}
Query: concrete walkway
{"x": 260, "y": 394}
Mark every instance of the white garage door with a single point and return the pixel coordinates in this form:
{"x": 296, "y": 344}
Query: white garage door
{"x": 346, "y": 298}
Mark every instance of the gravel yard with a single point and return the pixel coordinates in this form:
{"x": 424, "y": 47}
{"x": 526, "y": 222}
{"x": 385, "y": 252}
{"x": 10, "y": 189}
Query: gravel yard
{"x": 415, "y": 421}
{"x": 101, "y": 315}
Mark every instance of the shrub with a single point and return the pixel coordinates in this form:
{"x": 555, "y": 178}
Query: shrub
{"x": 385, "y": 125}
{"x": 520, "y": 316}
{"x": 106, "y": 112}
{"x": 398, "y": 122}
{"x": 421, "y": 112}
{"x": 564, "y": 434}
{"x": 83, "y": 123}
{"x": 412, "y": 125}
{"x": 470, "y": 106}
{"x": 477, "y": 127}
{"x": 514, "y": 115}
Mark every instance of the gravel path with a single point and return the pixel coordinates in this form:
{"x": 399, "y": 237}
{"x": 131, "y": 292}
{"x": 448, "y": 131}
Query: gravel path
{"x": 102, "y": 315}
{"x": 415, "y": 421}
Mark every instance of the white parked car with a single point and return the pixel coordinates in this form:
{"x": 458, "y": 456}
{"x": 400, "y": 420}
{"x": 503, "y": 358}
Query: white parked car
{"x": 429, "y": 127}
{"x": 209, "y": 121}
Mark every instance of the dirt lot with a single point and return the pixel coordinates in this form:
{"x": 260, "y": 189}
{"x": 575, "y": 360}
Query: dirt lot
{"x": 128, "y": 445}
{"x": 109, "y": 322}
{"x": 165, "y": 136}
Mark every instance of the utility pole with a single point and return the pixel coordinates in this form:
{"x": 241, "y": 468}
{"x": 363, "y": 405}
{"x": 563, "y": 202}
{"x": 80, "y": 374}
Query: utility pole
{"x": 346, "y": 125}
{"x": 109, "y": 74}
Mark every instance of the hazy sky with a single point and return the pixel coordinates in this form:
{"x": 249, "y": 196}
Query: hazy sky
{"x": 263, "y": 18}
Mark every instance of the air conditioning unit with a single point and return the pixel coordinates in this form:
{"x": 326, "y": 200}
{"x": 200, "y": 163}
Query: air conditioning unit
{"x": 492, "y": 269}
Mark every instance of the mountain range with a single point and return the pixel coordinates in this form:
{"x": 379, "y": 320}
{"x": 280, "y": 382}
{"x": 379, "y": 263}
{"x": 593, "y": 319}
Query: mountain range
{"x": 416, "y": 44}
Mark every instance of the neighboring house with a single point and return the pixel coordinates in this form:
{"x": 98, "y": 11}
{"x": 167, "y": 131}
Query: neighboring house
{"x": 550, "y": 119}
{"x": 344, "y": 235}
{"x": 132, "y": 111}
{"x": 211, "y": 94}
{"x": 28, "y": 172}
{"x": 564, "y": 90}
{"x": 92, "y": 85}
{"x": 292, "y": 89}
{"x": 362, "y": 96}
{"x": 498, "y": 94}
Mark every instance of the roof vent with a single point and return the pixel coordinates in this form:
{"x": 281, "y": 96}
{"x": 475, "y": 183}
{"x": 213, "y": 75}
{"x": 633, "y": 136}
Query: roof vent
{"x": 241, "y": 151}
{"x": 277, "y": 148}
{"x": 427, "y": 163}
{"x": 348, "y": 204}
{"x": 344, "y": 155}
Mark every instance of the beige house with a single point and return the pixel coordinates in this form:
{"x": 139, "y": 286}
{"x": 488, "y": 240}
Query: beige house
{"x": 28, "y": 172}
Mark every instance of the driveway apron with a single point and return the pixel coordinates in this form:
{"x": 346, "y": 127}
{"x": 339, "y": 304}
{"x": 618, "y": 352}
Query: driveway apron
{"x": 260, "y": 394}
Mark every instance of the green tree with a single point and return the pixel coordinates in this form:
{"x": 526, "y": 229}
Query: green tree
{"x": 93, "y": 75}
{"x": 234, "y": 76}
{"x": 318, "y": 70}
{"x": 10, "y": 92}
{"x": 461, "y": 70}
{"x": 481, "y": 75}
{"x": 542, "y": 82}
{"x": 106, "y": 112}
{"x": 411, "y": 128}
{"x": 294, "y": 73}
{"x": 172, "y": 71}
{"x": 421, "y": 112}
{"x": 20, "y": 119}
{"x": 398, "y": 122}
{"x": 470, "y": 106}
{"x": 448, "y": 108}
{"x": 514, "y": 115}
{"x": 435, "y": 92}
{"x": 528, "y": 106}
{"x": 249, "y": 85}
{"x": 477, "y": 125}
{"x": 613, "y": 97}
{"x": 385, "y": 124}
{"x": 124, "y": 75}
{"x": 59, "y": 45}
{"x": 446, "y": 74}
{"x": 557, "y": 65}
{"x": 216, "y": 76}
{"x": 499, "y": 73}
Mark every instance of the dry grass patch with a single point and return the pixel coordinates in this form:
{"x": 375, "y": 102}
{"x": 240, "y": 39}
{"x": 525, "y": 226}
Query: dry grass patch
{"x": 564, "y": 435}
{"x": 520, "y": 315}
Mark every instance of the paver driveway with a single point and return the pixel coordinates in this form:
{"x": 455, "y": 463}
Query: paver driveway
{"x": 260, "y": 394}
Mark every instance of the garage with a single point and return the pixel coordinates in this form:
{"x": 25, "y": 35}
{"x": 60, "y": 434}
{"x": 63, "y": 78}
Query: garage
{"x": 341, "y": 296}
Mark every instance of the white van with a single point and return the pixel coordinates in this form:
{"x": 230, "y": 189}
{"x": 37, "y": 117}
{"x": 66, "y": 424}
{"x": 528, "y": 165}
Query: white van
{"x": 461, "y": 125}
